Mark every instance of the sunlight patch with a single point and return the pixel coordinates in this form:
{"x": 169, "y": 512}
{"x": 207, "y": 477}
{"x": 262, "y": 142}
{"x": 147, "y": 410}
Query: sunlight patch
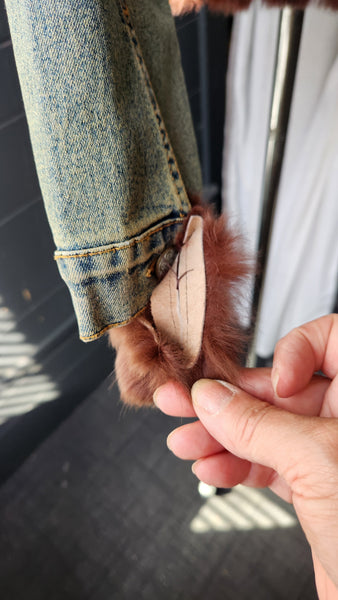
{"x": 23, "y": 385}
{"x": 242, "y": 509}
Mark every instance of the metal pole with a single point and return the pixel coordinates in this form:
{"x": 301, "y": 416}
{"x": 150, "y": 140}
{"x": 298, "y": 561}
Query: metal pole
{"x": 289, "y": 36}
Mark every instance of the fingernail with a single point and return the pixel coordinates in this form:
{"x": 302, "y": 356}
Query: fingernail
{"x": 209, "y": 395}
{"x": 168, "y": 441}
{"x": 275, "y": 380}
{"x": 156, "y": 395}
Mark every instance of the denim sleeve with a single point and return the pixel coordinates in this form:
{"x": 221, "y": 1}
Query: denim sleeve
{"x": 113, "y": 143}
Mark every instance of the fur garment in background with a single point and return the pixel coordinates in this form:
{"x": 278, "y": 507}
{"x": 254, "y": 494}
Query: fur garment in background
{"x": 147, "y": 358}
{"x": 180, "y": 7}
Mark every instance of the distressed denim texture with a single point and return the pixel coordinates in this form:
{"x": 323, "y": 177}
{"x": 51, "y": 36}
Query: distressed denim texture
{"x": 113, "y": 143}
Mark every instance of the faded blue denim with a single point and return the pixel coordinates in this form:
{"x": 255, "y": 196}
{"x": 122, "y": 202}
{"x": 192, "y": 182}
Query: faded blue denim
{"x": 113, "y": 143}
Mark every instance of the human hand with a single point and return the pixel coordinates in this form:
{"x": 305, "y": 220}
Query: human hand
{"x": 286, "y": 440}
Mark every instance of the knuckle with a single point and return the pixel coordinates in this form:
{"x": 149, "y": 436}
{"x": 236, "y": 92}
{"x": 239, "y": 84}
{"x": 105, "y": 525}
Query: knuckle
{"x": 296, "y": 338}
{"x": 327, "y": 442}
{"x": 251, "y": 423}
{"x": 316, "y": 474}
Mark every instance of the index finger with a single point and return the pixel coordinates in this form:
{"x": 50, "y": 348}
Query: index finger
{"x": 305, "y": 350}
{"x": 174, "y": 399}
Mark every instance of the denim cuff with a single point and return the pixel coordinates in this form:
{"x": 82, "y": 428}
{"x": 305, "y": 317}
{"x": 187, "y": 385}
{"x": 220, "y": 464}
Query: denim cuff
{"x": 111, "y": 284}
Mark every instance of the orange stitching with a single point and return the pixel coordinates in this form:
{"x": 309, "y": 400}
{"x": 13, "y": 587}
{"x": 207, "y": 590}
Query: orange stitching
{"x": 84, "y": 255}
{"x": 157, "y": 111}
{"x": 94, "y": 336}
{"x": 151, "y": 267}
{"x": 125, "y": 247}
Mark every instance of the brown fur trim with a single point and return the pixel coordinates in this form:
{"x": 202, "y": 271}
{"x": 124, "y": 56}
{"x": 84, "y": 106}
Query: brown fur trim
{"x": 146, "y": 359}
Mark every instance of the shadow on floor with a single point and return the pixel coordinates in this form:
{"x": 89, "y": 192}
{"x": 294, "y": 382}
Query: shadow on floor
{"x": 103, "y": 511}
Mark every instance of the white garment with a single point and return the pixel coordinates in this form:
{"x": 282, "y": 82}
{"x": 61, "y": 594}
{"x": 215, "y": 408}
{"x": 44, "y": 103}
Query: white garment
{"x": 301, "y": 278}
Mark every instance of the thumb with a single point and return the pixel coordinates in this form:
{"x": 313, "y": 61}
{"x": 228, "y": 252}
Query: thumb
{"x": 254, "y": 430}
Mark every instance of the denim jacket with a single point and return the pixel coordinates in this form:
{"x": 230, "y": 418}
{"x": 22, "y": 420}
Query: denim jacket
{"x": 113, "y": 143}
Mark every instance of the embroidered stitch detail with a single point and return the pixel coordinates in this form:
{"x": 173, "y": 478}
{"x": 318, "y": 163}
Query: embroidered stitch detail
{"x": 96, "y": 253}
{"x": 120, "y": 248}
{"x": 151, "y": 269}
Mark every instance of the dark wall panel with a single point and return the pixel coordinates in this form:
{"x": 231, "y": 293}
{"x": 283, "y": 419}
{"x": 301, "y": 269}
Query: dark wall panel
{"x": 28, "y": 271}
{"x": 19, "y": 183}
{"x": 218, "y": 35}
{"x": 187, "y": 33}
{"x": 4, "y": 30}
{"x": 45, "y": 370}
{"x": 20, "y": 435}
{"x": 204, "y": 40}
{"x": 10, "y": 98}
{"x": 42, "y": 320}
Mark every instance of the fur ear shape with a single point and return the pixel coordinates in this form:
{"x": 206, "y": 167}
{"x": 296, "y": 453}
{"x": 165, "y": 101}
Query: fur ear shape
{"x": 146, "y": 358}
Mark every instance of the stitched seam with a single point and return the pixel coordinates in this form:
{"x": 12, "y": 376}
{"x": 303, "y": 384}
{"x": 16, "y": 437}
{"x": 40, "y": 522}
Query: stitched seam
{"x": 119, "y": 249}
{"x": 110, "y": 326}
{"x": 171, "y": 159}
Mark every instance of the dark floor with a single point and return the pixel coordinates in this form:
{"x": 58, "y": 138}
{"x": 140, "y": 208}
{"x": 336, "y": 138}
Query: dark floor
{"x": 103, "y": 511}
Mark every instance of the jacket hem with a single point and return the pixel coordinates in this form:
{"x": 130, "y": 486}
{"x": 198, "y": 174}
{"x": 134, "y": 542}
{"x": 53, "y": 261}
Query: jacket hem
{"x": 99, "y": 334}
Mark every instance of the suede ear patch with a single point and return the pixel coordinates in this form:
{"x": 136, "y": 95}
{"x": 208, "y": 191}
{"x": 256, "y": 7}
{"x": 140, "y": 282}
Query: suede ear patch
{"x": 178, "y": 303}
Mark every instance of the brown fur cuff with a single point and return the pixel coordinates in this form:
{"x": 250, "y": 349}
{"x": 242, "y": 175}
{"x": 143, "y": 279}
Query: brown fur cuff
{"x": 147, "y": 358}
